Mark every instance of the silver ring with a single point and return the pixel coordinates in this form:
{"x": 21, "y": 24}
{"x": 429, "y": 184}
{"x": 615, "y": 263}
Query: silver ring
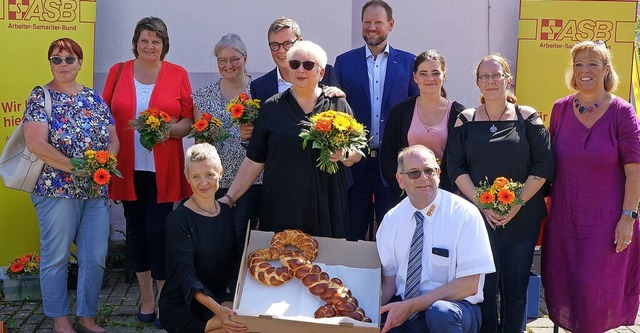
{"x": 627, "y": 242}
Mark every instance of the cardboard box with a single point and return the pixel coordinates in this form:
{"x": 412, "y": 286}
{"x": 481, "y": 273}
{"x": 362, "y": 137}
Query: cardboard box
{"x": 26, "y": 287}
{"x": 290, "y": 307}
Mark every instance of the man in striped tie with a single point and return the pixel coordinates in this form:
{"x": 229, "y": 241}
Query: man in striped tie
{"x": 434, "y": 251}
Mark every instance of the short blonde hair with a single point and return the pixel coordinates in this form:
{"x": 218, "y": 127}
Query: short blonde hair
{"x": 611, "y": 80}
{"x": 311, "y": 48}
{"x": 201, "y": 152}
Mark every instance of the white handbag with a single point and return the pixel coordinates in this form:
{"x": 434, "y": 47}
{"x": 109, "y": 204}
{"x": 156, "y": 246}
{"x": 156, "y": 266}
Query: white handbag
{"x": 20, "y": 168}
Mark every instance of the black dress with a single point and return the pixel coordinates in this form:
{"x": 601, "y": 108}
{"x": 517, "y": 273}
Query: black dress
{"x": 295, "y": 193}
{"x": 201, "y": 256}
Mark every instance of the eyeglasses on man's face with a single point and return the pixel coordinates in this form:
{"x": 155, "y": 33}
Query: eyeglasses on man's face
{"x": 307, "y": 65}
{"x": 494, "y": 77}
{"x": 57, "y": 60}
{"x": 274, "y": 46}
{"x": 429, "y": 172}
{"x": 233, "y": 61}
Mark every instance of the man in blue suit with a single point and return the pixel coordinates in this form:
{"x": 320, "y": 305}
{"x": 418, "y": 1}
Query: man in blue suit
{"x": 282, "y": 34}
{"x": 375, "y": 77}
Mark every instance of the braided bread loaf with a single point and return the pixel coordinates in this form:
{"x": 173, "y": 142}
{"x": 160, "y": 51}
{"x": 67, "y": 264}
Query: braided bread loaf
{"x": 297, "y": 238}
{"x": 261, "y": 270}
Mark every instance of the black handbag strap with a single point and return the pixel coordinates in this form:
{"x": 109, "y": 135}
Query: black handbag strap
{"x": 117, "y": 78}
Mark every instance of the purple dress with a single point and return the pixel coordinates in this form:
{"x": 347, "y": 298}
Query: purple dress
{"x": 588, "y": 286}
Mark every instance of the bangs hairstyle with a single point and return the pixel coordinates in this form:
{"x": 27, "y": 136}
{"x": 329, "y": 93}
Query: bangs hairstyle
{"x": 506, "y": 69}
{"x": 311, "y": 48}
{"x": 433, "y": 55}
{"x": 202, "y": 152}
{"x": 156, "y": 25}
{"x": 414, "y": 150}
{"x": 284, "y": 23}
{"x": 611, "y": 80}
{"x": 230, "y": 40}
{"x": 66, "y": 44}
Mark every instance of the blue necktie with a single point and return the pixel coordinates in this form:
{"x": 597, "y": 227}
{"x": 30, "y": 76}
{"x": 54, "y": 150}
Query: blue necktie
{"x": 414, "y": 268}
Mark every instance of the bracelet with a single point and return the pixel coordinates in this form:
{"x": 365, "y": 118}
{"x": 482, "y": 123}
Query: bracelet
{"x": 231, "y": 201}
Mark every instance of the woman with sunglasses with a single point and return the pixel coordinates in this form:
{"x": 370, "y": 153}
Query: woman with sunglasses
{"x": 295, "y": 193}
{"x": 425, "y": 119}
{"x": 231, "y": 58}
{"x": 502, "y": 139}
{"x": 152, "y": 181}
{"x": 67, "y": 212}
{"x": 591, "y": 249}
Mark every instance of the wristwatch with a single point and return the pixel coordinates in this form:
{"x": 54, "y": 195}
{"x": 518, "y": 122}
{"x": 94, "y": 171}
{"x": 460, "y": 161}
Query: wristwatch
{"x": 630, "y": 213}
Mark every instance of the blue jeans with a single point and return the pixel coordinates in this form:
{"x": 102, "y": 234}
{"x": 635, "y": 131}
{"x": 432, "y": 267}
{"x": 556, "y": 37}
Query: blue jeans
{"x": 85, "y": 223}
{"x": 444, "y": 317}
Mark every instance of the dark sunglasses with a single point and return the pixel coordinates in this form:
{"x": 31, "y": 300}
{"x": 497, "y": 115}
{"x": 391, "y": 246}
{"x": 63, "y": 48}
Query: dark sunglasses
{"x": 57, "y": 60}
{"x": 307, "y": 65}
{"x": 429, "y": 172}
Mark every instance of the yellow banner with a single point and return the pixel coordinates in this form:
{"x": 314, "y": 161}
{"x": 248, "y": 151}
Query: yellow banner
{"x": 547, "y": 31}
{"x": 27, "y": 28}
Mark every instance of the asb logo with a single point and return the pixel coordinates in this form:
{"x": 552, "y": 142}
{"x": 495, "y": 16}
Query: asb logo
{"x": 42, "y": 10}
{"x": 575, "y": 30}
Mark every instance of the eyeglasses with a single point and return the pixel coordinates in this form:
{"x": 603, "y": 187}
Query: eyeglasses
{"x": 429, "y": 172}
{"x": 286, "y": 45}
{"x": 57, "y": 60}
{"x": 307, "y": 65}
{"x": 233, "y": 61}
{"x": 494, "y": 77}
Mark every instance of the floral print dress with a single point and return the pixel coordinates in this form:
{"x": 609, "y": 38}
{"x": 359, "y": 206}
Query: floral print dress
{"x": 78, "y": 122}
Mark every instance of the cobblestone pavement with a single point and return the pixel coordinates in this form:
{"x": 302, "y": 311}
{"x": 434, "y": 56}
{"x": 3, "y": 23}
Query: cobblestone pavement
{"x": 119, "y": 305}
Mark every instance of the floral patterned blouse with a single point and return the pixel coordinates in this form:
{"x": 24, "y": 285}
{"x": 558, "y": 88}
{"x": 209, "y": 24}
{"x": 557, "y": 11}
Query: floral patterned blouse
{"x": 209, "y": 99}
{"x": 78, "y": 122}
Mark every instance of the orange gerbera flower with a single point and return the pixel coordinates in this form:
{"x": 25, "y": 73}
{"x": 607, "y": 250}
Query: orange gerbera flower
{"x": 200, "y": 125}
{"x": 506, "y": 197}
{"x": 243, "y": 97}
{"x": 153, "y": 112}
{"x": 323, "y": 124}
{"x": 17, "y": 267}
{"x": 487, "y": 198}
{"x": 102, "y": 156}
{"x": 207, "y": 116}
{"x": 237, "y": 110}
{"x": 101, "y": 177}
{"x": 165, "y": 116}
{"x": 500, "y": 182}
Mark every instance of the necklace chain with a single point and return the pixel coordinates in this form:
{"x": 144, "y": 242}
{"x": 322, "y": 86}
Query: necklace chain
{"x": 215, "y": 206}
{"x": 493, "y": 127}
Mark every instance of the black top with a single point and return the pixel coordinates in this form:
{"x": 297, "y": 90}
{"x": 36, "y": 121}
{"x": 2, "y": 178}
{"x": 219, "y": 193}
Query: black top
{"x": 395, "y": 139}
{"x": 516, "y": 150}
{"x": 201, "y": 254}
{"x": 295, "y": 193}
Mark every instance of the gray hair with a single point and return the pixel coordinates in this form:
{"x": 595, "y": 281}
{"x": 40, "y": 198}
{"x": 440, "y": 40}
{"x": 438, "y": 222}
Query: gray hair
{"x": 201, "y": 152}
{"x": 231, "y": 40}
{"x": 311, "y": 48}
{"x": 414, "y": 150}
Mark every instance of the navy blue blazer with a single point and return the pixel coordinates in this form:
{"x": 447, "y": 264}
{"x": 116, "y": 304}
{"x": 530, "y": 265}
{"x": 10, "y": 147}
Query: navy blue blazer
{"x": 351, "y": 71}
{"x": 267, "y": 85}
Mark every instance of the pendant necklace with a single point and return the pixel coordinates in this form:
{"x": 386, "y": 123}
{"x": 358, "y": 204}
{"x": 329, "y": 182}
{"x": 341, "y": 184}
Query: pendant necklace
{"x": 215, "y": 207}
{"x": 493, "y": 127}
{"x": 582, "y": 108}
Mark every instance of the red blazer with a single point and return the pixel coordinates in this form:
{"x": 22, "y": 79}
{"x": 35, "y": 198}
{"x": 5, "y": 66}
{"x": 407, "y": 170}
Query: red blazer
{"x": 171, "y": 94}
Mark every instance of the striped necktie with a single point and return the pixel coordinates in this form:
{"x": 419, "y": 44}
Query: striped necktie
{"x": 414, "y": 268}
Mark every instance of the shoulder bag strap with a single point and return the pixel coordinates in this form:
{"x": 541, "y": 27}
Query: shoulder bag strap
{"x": 117, "y": 78}
{"x": 47, "y": 101}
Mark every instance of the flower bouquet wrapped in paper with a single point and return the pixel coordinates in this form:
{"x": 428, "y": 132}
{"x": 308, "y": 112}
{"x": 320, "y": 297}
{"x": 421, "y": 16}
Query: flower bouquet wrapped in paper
{"x": 500, "y": 196}
{"x": 209, "y": 129}
{"x": 331, "y": 131}
{"x": 153, "y": 126}
{"x": 96, "y": 167}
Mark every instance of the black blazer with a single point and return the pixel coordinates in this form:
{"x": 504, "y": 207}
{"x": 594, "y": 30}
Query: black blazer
{"x": 267, "y": 85}
{"x": 395, "y": 138}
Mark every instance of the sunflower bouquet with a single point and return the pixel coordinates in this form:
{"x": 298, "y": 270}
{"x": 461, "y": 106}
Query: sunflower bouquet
{"x": 243, "y": 109}
{"x": 28, "y": 264}
{"x": 500, "y": 196}
{"x": 331, "y": 131}
{"x": 96, "y": 167}
{"x": 209, "y": 129}
{"x": 153, "y": 126}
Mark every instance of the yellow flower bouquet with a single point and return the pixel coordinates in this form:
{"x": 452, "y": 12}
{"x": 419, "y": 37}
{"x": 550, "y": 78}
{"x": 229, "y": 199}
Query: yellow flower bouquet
{"x": 97, "y": 167}
{"x": 243, "y": 109}
{"x": 331, "y": 131}
{"x": 28, "y": 264}
{"x": 153, "y": 126}
{"x": 500, "y": 196}
{"x": 209, "y": 129}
